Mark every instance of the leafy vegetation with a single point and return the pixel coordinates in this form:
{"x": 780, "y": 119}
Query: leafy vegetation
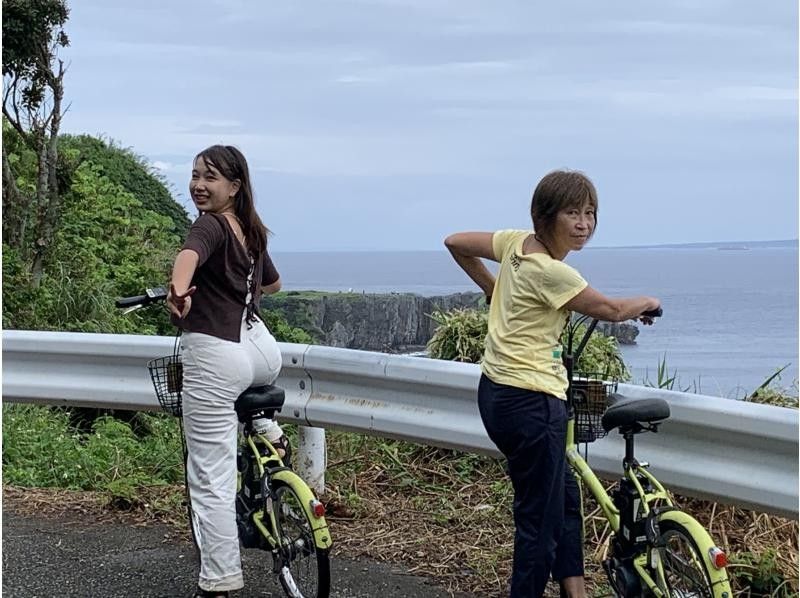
{"x": 761, "y": 574}
{"x": 601, "y": 355}
{"x": 33, "y": 92}
{"x": 283, "y": 331}
{"x": 40, "y": 449}
{"x": 461, "y": 334}
{"x": 298, "y": 308}
{"x": 107, "y": 245}
{"x": 769, "y": 393}
{"x": 121, "y": 166}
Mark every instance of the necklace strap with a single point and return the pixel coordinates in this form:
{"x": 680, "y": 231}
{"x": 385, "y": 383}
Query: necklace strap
{"x": 546, "y": 248}
{"x": 243, "y": 240}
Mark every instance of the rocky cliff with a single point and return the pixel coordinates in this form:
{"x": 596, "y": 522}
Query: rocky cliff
{"x": 386, "y": 322}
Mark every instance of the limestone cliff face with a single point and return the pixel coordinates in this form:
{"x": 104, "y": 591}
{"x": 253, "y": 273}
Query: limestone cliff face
{"x": 624, "y": 332}
{"x": 387, "y": 322}
{"x": 370, "y": 322}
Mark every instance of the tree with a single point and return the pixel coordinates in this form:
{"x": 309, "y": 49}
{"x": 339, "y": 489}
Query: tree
{"x": 33, "y": 91}
{"x": 107, "y": 245}
{"x": 124, "y": 167}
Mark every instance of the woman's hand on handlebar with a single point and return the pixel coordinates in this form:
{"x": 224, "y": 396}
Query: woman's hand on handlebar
{"x": 648, "y": 317}
{"x": 180, "y": 303}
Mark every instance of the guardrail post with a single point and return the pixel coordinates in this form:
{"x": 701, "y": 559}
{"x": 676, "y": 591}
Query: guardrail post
{"x": 311, "y": 457}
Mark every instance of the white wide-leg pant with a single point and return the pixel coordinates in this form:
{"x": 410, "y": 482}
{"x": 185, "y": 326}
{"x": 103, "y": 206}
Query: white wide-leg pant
{"x": 215, "y": 373}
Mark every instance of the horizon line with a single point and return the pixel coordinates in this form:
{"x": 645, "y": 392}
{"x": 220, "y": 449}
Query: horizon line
{"x": 698, "y": 244}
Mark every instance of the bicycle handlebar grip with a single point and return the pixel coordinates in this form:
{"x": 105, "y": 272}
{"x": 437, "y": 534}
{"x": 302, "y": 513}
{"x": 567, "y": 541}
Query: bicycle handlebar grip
{"x": 150, "y": 296}
{"x": 653, "y": 313}
{"x": 130, "y": 301}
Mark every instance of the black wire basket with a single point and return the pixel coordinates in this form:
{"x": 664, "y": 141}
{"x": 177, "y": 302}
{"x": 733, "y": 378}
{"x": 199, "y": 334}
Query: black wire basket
{"x": 167, "y": 376}
{"x": 590, "y": 392}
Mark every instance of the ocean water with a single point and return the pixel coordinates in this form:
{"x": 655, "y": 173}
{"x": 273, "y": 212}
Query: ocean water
{"x": 730, "y": 316}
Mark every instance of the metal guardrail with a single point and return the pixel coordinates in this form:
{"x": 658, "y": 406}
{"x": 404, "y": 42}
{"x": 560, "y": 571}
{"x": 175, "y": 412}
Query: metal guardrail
{"x": 725, "y": 450}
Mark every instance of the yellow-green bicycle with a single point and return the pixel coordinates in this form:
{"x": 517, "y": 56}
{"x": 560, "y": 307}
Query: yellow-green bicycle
{"x": 656, "y": 549}
{"x": 276, "y": 511}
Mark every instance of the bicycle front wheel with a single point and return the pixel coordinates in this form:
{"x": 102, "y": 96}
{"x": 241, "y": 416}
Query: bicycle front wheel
{"x": 686, "y": 569}
{"x": 305, "y": 570}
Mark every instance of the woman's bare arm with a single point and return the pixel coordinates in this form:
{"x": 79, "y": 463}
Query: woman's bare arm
{"x": 593, "y": 303}
{"x": 179, "y": 299}
{"x": 467, "y": 250}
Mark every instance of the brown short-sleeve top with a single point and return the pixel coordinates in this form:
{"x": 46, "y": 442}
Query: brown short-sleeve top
{"x": 221, "y": 279}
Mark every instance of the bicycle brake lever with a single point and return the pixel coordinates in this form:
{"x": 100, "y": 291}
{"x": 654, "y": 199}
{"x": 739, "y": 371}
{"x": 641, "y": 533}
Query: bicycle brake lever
{"x": 132, "y": 308}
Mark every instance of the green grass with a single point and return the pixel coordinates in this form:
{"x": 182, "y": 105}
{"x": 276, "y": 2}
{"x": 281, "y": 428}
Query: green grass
{"x": 40, "y": 449}
{"x": 769, "y": 392}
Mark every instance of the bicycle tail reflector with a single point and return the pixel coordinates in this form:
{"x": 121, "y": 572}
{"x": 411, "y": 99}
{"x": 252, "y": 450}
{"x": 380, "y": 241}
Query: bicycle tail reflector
{"x": 718, "y": 558}
{"x": 317, "y": 508}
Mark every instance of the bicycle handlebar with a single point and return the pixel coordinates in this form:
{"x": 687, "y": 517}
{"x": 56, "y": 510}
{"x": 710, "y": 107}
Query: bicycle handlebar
{"x": 153, "y": 295}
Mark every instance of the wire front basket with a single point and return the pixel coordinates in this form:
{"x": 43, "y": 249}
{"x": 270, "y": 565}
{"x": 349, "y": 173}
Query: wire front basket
{"x": 167, "y": 376}
{"x": 590, "y": 394}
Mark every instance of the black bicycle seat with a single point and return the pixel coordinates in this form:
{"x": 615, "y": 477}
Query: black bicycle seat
{"x": 634, "y": 411}
{"x": 256, "y": 398}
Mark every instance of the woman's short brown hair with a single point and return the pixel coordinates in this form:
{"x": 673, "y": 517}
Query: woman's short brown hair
{"x": 560, "y": 190}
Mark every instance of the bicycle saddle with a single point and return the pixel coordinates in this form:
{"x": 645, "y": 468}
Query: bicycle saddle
{"x": 627, "y": 412}
{"x": 260, "y": 397}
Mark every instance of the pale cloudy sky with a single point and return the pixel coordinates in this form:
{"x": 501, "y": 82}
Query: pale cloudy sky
{"x": 387, "y": 124}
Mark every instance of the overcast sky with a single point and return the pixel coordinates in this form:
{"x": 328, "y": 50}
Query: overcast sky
{"x": 387, "y": 124}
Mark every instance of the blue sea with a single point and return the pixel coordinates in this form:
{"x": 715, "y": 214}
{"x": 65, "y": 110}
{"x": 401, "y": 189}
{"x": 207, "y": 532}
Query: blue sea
{"x": 730, "y": 314}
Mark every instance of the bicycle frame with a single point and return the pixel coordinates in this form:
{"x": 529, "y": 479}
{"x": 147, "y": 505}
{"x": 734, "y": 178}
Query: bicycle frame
{"x": 588, "y": 478}
{"x": 592, "y": 482}
{"x": 272, "y": 465}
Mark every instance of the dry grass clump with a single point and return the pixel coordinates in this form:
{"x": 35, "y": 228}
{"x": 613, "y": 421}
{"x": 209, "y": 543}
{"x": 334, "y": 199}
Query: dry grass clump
{"x": 440, "y": 516}
{"x": 153, "y": 503}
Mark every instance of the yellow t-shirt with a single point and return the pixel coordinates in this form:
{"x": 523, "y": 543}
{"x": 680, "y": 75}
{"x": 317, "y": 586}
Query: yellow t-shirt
{"x": 527, "y": 316}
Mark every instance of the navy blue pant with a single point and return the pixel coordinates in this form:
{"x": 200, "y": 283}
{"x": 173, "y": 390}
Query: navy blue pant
{"x": 530, "y": 429}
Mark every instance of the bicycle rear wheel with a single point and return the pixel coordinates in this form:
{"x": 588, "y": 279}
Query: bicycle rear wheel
{"x": 687, "y": 572}
{"x": 306, "y": 571}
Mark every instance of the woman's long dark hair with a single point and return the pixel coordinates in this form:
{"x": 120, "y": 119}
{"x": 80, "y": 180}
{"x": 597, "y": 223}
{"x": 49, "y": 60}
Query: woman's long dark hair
{"x": 231, "y": 164}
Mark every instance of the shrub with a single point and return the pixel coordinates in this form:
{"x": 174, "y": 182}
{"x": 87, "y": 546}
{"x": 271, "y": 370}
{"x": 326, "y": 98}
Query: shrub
{"x": 601, "y": 355}
{"x": 760, "y": 574}
{"x": 461, "y": 333}
{"x": 40, "y": 449}
{"x": 282, "y": 330}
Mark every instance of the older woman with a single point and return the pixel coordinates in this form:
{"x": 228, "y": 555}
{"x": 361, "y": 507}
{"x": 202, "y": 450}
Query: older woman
{"x": 522, "y": 392}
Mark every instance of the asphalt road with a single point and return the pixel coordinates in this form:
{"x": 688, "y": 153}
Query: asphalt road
{"x": 70, "y": 556}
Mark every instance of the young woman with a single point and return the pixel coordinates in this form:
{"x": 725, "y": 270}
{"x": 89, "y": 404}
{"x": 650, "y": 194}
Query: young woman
{"x": 217, "y": 280}
{"x": 522, "y": 391}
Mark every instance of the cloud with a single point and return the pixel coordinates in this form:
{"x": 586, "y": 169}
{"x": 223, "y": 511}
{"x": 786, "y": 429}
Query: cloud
{"x": 167, "y": 167}
{"x": 366, "y": 102}
{"x": 224, "y": 127}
